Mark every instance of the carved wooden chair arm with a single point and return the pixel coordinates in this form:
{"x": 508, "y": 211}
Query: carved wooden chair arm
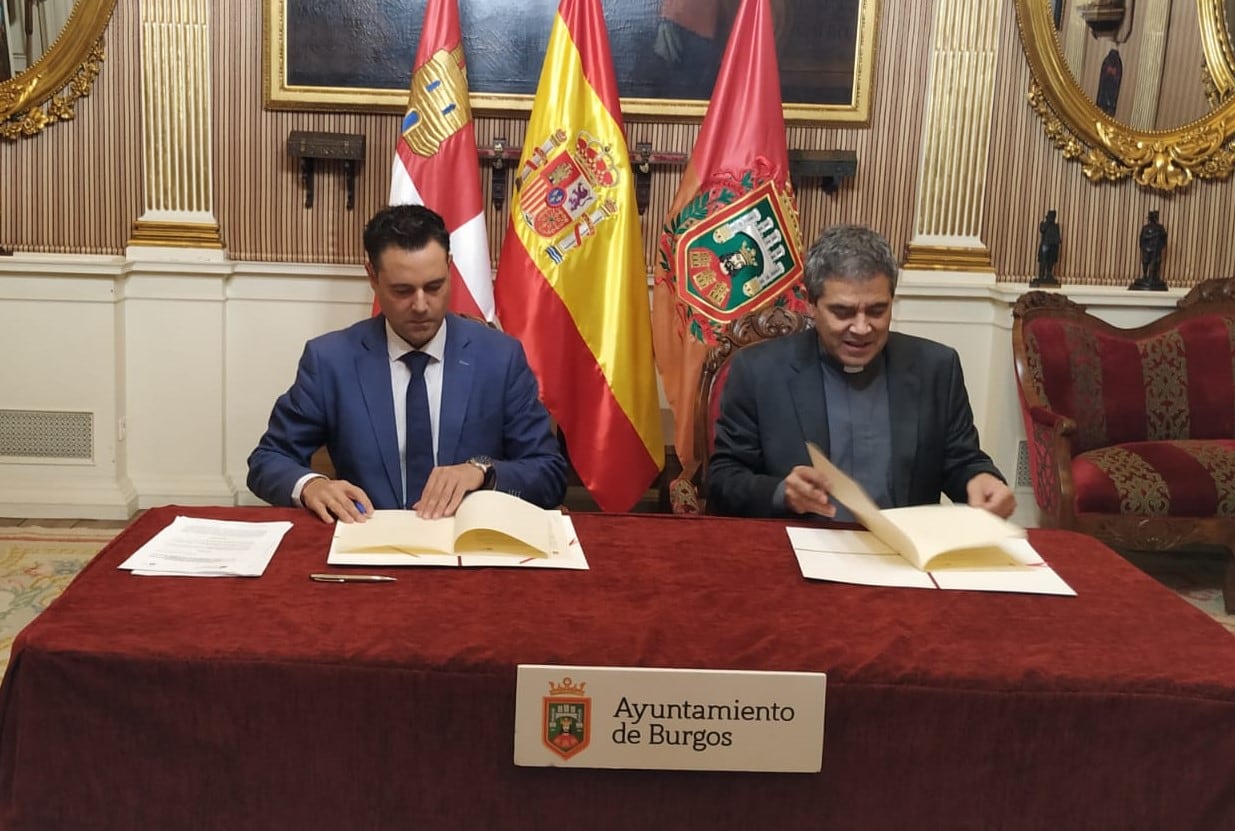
{"x": 684, "y": 497}
{"x": 1050, "y": 464}
{"x": 1060, "y": 424}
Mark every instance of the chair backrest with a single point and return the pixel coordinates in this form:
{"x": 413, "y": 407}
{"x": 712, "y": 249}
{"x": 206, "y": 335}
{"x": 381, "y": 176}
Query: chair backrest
{"x": 752, "y": 327}
{"x": 1171, "y": 379}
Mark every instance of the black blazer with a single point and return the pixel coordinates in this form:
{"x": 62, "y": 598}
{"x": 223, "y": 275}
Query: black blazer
{"x": 773, "y": 403}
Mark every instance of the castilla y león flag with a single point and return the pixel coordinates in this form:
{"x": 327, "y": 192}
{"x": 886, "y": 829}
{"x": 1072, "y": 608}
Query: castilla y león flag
{"x": 571, "y": 281}
{"x": 731, "y": 242}
{"x": 435, "y": 161}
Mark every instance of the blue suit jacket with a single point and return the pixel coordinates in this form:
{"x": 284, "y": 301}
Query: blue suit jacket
{"x": 341, "y": 398}
{"x": 773, "y": 403}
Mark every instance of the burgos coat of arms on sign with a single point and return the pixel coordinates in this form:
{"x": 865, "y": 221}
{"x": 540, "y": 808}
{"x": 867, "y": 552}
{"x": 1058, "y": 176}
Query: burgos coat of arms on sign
{"x": 567, "y": 718}
{"x": 566, "y": 189}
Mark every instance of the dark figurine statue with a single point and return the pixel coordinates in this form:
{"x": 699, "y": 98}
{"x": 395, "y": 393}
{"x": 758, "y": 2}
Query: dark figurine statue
{"x": 1153, "y": 243}
{"x": 1048, "y": 252}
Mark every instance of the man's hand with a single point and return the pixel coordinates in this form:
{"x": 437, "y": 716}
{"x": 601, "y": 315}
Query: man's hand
{"x": 446, "y": 488}
{"x": 986, "y": 491}
{"x": 331, "y": 498}
{"x": 806, "y": 492}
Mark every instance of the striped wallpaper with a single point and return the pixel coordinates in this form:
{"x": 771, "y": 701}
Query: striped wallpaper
{"x": 1100, "y": 222}
{"x": 76, "y": 187}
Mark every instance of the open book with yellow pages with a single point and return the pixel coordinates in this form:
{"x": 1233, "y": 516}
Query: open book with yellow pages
{"x": 490, "y": 528}
{"x": 924, "y": 546}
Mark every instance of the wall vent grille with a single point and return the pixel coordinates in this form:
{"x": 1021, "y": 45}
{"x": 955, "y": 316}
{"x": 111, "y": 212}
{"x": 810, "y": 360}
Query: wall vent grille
{"x": 1022, "y": 465}
{"x": 46, "y": 434}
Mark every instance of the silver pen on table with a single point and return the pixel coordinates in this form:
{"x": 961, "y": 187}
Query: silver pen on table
{"x": 352, "y": 578}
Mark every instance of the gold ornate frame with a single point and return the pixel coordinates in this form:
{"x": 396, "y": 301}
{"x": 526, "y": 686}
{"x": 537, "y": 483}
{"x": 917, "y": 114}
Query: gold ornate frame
{"x": 1107, "y": 149}
{"x": 1219, "y": 57}
{"x": 47, "y": 92}
{"x": 280, "y": 95}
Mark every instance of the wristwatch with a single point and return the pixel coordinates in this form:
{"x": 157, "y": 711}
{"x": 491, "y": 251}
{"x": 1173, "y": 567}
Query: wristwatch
{"x": 485, "y": 465}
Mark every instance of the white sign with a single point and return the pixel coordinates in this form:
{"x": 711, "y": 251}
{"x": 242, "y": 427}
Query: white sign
{"x": 669, "y": 719}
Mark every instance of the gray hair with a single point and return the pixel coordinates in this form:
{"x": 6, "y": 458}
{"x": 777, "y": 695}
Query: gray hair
{"x": 848, "y": 252}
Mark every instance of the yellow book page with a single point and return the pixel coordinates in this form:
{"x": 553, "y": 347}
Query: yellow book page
{"x": 953, "y": 536}
{"x": 929, "y": 536}
{"x": 850, "y": 494}
{"x": 492, "y": 522}
{"x": 396, "y": 532}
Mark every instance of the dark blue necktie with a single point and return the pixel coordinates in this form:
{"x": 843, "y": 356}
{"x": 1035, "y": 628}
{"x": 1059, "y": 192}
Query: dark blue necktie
{"x": 419, "y": 449}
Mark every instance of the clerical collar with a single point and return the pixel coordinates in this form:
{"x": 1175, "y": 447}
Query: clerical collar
{"x": 875, "y": 366}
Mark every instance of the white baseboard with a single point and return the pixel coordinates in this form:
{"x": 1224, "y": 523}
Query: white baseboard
{"x": 72, "y": 499}
{"x": 183, "y": 490}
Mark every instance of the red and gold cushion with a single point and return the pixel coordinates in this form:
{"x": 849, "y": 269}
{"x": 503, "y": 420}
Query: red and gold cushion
{"x": 1175, "y": 385}
{"x": 1157, "y": 478}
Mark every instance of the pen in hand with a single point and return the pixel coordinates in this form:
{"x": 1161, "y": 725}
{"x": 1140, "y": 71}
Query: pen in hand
{"x": 352, "y": 578}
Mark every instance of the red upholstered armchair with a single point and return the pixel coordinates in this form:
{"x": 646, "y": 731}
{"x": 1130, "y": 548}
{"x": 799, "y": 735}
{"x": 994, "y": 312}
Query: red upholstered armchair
{"x": 1132, "y": 431}
{"x": 752, "y": 327}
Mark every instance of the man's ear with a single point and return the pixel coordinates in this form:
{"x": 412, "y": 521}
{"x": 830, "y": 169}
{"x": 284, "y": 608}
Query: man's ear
{"x": 372, "y": 272}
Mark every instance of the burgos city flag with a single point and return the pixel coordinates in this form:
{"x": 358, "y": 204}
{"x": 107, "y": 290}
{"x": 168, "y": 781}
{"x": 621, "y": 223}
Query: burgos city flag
{"x": 571, "y": 281}
{"x": 731, "y": 242}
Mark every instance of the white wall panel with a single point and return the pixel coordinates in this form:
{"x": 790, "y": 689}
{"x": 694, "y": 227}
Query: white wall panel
{"x": 191, "y": 356}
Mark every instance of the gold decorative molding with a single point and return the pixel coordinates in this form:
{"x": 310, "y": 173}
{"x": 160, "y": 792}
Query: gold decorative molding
{"x": 278, "y": 93}
{"x": 176, "y": 234}
{"x": 1219, "y": 70}
{"x": 1108, "y": 150}
{"x": 947, "y": 258}
{"x": 952, "y": 173}
{"x": 176, "y": 139}
{"x": 48, "y": 91}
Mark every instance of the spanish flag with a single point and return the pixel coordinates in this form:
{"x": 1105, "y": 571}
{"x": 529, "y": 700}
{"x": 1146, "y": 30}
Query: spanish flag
{"x": 731, "y": 243}
{"x": 435, "y": 162}
{"x": 571, "y": 281}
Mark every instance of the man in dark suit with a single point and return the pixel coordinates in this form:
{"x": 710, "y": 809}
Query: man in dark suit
{"x": 417, "y": 407}
{"x": 889, "y": 409}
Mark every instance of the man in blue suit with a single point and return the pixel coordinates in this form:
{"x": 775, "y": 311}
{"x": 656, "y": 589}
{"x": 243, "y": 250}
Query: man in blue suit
{"x": 417, "y": 407}
{"x": 889, "y": 409}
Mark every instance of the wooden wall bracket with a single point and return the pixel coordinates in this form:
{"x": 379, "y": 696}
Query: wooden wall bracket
{"x": 830, "y": 167}
{"x": 642, "y": 161}
{"x": 309, "y": 146}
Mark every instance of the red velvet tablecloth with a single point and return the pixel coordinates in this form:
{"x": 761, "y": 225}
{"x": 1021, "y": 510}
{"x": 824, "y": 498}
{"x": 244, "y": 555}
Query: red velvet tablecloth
{"x": 279, "y": 703}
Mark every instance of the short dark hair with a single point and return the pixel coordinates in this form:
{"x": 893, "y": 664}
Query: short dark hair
{"x": 848, "y": 252}
{"x": 410, "y": 227}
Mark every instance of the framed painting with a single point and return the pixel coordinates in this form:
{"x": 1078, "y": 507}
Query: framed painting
{"x": 357, "y": 54}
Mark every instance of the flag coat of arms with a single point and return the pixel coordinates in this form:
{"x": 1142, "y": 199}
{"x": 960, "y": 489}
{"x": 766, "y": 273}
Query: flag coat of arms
{"x": 731, "y": 242}
{"x": 435, "y": 162}
{"x": 572, "y": 283}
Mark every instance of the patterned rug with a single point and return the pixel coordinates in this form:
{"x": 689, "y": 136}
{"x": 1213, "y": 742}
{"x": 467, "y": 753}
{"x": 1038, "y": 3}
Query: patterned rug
{"x": 36, "y": 564}
{"x": 1196, "y": 576}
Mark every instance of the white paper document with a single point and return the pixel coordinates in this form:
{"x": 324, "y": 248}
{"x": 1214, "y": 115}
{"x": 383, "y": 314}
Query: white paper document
{"x": 859, "y": 557}
{"x": 193, "y": 547}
